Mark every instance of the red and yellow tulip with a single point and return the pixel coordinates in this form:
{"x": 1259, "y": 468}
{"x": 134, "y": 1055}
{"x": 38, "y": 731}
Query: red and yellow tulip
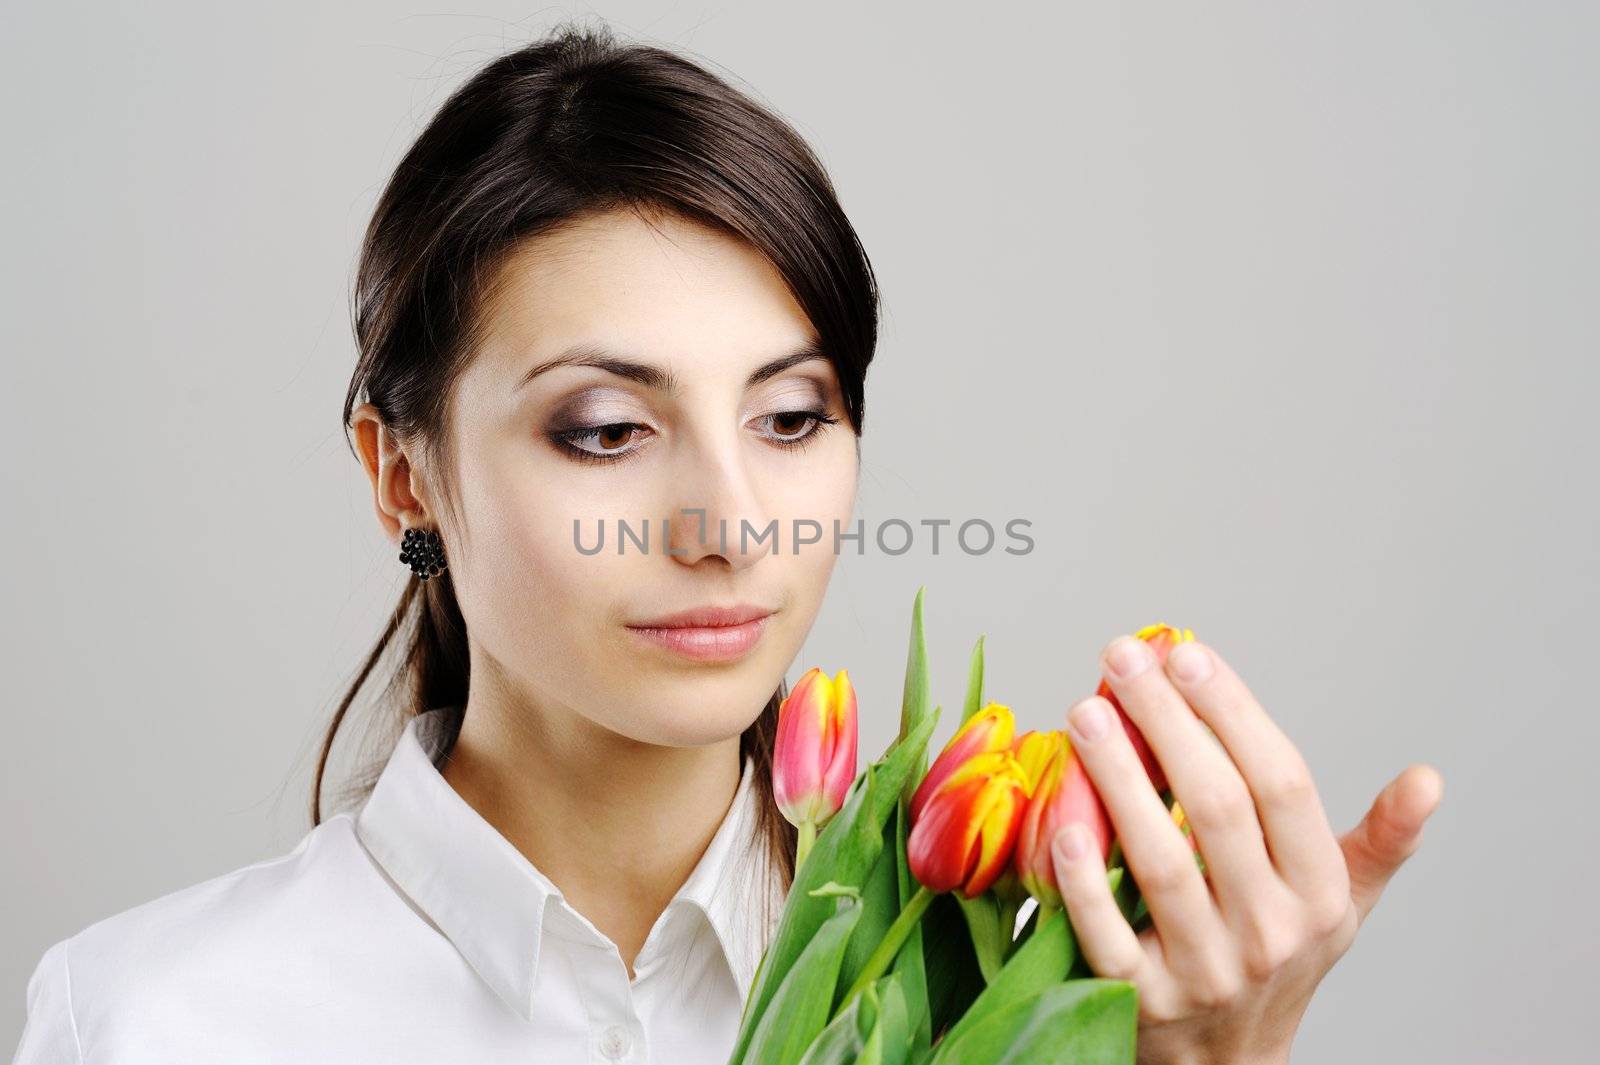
{"x": 814, "y": 753}
{"x": 990, "y": 729}
{"x": 963, "y": 838}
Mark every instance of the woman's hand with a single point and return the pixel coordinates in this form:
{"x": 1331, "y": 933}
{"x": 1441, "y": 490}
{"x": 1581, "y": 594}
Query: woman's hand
{"x": 1226, "y": 971}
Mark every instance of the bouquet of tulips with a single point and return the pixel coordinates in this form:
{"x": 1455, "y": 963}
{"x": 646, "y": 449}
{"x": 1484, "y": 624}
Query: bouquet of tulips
{"x": 897, "y": 944}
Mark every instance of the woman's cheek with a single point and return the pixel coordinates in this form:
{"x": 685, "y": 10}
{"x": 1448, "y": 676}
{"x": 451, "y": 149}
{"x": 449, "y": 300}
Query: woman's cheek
{"x": 829, "y": 506}
{"x": 831, "y": 503}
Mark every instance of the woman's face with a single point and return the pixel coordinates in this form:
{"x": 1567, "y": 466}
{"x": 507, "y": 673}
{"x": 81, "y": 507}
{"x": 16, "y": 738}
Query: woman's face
{"x": 557, "y": 628}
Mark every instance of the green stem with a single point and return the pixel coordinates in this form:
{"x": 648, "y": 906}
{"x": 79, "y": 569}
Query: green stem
{"x": 1045, "y": 910}
{"x": 808, "y": 837}
{"x": 893, "y": 940}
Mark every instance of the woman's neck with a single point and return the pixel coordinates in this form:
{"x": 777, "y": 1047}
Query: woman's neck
{"x": 616, "y": 824}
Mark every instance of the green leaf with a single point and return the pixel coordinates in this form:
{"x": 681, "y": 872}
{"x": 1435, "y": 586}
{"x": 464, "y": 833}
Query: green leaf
{"x": 974, "y": 701}
{"x": 872, "y": 1037}
{"x": 914, "y": 697}
{"x": 880, "y": 904}
{"x": 887, "y": 1037}
{"x": 867, "y": 1013}
{"x": 833, "y": 889}
{"x": 840, "y": 1043}
{"x": 800, "y": 1007}
{"x": 914, "y": 701}
{"x": 844, "y": 853}
{"x": 1091, "y": 1022}
{"x": 1042, "y": 961}
{"x": 872, "y": 1050}
{"x": 894, "y": 1020}
{"x": 1086, "y": 1022}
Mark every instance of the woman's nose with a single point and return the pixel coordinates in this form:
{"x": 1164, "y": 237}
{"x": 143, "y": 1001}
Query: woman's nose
{"x": 718, "y": 510}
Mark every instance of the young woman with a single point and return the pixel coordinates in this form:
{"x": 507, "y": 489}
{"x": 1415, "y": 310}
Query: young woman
{"x": 604, "y": 287}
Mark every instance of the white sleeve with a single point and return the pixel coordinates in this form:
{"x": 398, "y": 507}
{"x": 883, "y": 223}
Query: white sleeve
{"x": 50, "y": 1036}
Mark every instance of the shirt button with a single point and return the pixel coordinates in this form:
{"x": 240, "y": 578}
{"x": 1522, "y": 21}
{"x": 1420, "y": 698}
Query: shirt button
{"x": 614, "y": 1041}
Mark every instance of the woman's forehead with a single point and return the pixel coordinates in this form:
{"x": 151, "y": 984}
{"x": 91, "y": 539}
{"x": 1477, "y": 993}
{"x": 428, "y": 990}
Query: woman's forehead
{"x": 670, "y": 292}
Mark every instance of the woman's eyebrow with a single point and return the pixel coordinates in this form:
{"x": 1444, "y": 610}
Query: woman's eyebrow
{"x": 584, "y": 354}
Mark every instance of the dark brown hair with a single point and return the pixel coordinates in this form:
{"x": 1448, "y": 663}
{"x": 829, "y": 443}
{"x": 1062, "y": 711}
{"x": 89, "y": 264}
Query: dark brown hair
{"x": 564, "y": 127}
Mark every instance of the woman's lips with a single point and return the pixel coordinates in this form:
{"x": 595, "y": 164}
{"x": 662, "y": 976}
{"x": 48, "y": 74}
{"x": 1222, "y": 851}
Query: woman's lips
{"x": 706, "y": 643}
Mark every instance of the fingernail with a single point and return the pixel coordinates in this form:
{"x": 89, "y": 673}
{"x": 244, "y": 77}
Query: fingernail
{"x": 1091, "y": 719}
{"x": 1072, "y": 842}
{"x": 1128, "y": 656}
{"x": 1189, "y": 662}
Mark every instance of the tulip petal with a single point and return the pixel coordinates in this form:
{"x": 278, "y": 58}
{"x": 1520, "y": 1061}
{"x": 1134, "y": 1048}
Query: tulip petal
{"x": 999, "y": 817}
{"x": 991, "y": 729}
{"x": 1034, "y": 750}
{"x": 802, "y": 736}
{"x": 840, "y": 769}
{"x": 940, "y": 847}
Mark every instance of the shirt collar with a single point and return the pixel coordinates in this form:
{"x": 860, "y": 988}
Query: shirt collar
{"x": 490, "y": 901}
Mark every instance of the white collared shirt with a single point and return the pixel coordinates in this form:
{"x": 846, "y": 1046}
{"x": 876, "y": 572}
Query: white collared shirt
{"x": 409, "y": 933}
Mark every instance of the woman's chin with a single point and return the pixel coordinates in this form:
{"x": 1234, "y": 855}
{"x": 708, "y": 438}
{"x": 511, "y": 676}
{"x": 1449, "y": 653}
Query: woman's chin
{"x": 687, "y": 731}
{"x": 686, "y": 713}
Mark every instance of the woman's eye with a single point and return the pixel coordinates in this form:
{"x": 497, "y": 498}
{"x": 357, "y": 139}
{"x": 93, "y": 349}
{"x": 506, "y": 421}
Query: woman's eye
{"x": 796, "y": 428}
{"x": 599, "y": 443}
{"x": 792, "y": 423}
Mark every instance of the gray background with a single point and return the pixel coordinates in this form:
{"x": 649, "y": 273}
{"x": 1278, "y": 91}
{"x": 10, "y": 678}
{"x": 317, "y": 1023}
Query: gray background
{"x": 1277, "y": 321}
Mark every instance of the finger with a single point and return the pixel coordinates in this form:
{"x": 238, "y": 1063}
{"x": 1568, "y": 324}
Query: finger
{"x": 1108, "y": 943}
{"x": 1204, "y": 779}
{"x": 1389, "y": 833}
{"x": 1296, "y": 827}
{"x": 1156, "y": 851}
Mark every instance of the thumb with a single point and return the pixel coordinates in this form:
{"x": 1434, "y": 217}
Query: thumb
{"x": 1389, "y": 833}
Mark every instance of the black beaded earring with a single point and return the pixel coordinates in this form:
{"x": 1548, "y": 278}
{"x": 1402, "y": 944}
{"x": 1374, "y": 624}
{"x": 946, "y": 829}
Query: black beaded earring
{"x": 424, "y": 551}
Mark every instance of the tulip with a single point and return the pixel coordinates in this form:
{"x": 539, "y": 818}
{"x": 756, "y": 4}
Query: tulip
{"x": 967, "y": 828}
{"x": 990, "y": 729}
{"x": 1065, "y": 795}
{"x": 814, "y": 755}
{"x": 1161, "y": 638}
{"x": 1032, "y": 750}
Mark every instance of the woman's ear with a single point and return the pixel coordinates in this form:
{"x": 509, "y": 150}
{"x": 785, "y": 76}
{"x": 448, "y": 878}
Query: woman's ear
{"x": 398, "y": 495}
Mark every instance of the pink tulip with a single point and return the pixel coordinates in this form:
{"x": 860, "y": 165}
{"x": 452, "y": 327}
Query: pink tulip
{"x": 814, "y": 756}
{"x": 1064, "y": 795}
